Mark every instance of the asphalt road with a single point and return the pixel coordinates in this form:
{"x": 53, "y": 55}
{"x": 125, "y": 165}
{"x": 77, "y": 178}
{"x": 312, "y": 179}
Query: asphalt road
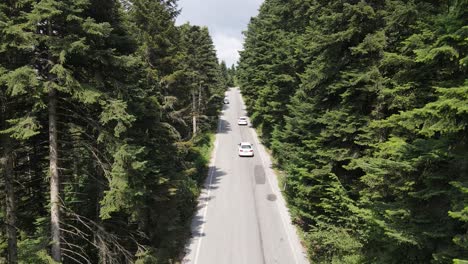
{"x": 242, "y": 217}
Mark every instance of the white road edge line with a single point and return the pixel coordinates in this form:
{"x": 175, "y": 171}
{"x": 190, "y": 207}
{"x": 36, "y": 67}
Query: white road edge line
{"x": 211, "y": 173}
{"x": 255, "y": 136}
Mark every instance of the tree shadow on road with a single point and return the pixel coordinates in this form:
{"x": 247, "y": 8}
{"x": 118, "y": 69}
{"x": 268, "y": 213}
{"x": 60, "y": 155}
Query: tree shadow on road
{"x": 225, "y": 126}
{"x": 212, "y": 182}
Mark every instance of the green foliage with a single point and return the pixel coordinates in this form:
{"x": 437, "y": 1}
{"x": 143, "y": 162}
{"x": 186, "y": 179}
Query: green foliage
{"x": 22, "y": 128}
{"x": 334, "y": 245}
{"x": 146, "y": 258}
{"x": 130, "y": 167}
{"x": 120, "y": 193}
{"x": 268, "y": 70}
{"x": 114, "y": 110}
{"x": 19, "y": 80}
{"x": 368, "y": 119}
{"x": 33, "y": 247}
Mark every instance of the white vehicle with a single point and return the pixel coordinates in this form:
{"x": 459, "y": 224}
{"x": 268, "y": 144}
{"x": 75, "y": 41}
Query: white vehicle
{"x": 226, "y": 101}
{"x": 242, "y": 121}
{"x": 246, "y": 149}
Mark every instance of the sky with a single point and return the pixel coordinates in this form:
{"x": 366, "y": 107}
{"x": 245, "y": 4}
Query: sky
{"x": 225, "y": 19}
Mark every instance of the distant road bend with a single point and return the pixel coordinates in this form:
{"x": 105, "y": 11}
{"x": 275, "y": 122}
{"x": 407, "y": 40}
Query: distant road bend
{"x": 242, "y": 217}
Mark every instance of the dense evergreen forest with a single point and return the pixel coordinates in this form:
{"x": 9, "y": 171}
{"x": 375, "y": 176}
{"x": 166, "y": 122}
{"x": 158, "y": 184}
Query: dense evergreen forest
{"x": 364, "y": 104}
{"x": 106, "y": 113}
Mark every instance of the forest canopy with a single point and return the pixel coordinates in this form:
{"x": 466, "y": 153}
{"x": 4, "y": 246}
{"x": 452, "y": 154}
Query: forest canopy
{"x": 106, "y": 113}
{"x": 364, "y": 105}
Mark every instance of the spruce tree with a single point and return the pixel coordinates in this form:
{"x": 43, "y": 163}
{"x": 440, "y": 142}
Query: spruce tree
{"x": 368, "y": 142}
{"x": 94, "y": 94}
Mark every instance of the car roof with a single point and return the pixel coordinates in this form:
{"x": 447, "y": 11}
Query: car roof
{"x": 243, "y": 117}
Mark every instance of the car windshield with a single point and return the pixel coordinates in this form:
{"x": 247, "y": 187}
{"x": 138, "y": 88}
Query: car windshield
{"x": 246, "y": 146}
{"x": 242, "y": 118}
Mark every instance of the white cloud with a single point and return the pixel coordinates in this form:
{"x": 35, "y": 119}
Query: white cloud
{"x": 227, "y": 48}
{"x": 225, "y": 19}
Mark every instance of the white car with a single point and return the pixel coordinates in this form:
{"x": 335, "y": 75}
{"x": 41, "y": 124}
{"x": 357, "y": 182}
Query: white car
{"x": 242, "y": 121}
{"x": 246, "y": 149}
{"x": 226, "y": 101}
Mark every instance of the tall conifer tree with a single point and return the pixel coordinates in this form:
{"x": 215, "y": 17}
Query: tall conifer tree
{"x": 368, "y": 141}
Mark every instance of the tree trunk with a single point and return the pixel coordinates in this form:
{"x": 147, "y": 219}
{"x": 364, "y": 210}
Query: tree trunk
{"x": 194, "y": 114}
{"x": 103, "y": 250}
{"x": 6, "y": 163}
{"x": 54, "y": 178}
{"x": 199, "y": 99}
{"x": 10, "y": 201}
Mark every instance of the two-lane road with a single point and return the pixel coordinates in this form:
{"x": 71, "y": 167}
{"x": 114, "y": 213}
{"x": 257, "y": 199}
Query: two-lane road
{"x": 242, "y": 217}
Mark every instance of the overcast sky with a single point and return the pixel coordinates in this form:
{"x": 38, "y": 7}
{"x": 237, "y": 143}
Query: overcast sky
{"x": 225, "y": 19}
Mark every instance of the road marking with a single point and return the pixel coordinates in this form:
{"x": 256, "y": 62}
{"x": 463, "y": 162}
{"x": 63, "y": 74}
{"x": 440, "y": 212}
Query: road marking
{"x": 211, "y": 173}
{"x": 255, "y": 136}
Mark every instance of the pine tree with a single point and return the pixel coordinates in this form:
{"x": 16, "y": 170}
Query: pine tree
{"x": 368, "y": 141}
{"x": 224, "y": 73}
{"x": 94, "y": 94}
{"x": 13, "y": 53}
{"x": 204, "y": 75}
{"x": 64, "y": 45}
{"x": 271, "y": 62}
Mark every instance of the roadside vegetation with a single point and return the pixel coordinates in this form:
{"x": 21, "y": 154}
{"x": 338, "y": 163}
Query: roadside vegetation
{"x": 107, "y": 111}
{"x": 364, "y": 105}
